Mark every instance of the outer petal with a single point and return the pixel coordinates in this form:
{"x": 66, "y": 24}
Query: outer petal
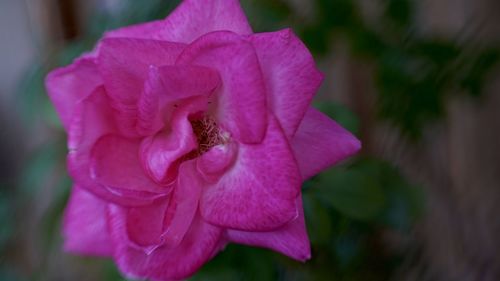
{"x": 93, "y": 120}
{"x": 183, "y": 206}
{"x": 290, "y": 239}
{"x": 258, "y": 193}
{"x": 199, "y": 245}
{"x": 69, "y": 85}
{"x": 190, "y": 20}
{"x": 290, "y": 73}
{"x": 124, "y": 64}
{"x": 242, "y": 98}
{"x": 320, "y": 143}
{"x": 147, "y": 30}
{"x": 115, "y": 164}
{"x": 193, "y": 18}
{"x": 145, "y": 225}
{"x": 85, "y": 229}
{"x": 165, "y": 222}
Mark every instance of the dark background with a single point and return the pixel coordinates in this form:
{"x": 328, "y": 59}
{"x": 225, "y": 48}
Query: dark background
{"x": 417, "y": 81}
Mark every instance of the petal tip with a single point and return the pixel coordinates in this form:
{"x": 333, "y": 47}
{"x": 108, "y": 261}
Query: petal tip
{"x": 354, "y": 146}
{"x": 305, "y": 257}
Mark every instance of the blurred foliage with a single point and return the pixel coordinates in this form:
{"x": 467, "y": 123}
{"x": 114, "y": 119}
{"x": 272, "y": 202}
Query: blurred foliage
{"x": 414, "y": 73}
{"x": 348, "y": 208}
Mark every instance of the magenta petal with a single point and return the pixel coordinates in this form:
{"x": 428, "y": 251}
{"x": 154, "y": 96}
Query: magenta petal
{"x": 194, "y": 18}
{"x": 184, "y": 81}
{"x": 198, "y": 246}
{"x": 242, "y": 98}
{"x": 320, "y": 143}
{"x": 115, "y": 164}
{"x": 183, "y": 205}
{"x": 124, "y": 64}
{"x": 190, "y": 20}
{"x": 290, "y": 239}
{"x": 161, "y": 153}
{"x": 290, "y": 73}
{"x": 93, "y": 120}
{"x": 151, "y": 115}
{"x": 85, "y": 229}
{"x": 215, "y": 162}
{"x": 258, "y": 193}
{"x": 145, "y": 225}
{"x": 166, "y": 89}
{"x": 147, "y": 30}
{"x": 69, "y": 85}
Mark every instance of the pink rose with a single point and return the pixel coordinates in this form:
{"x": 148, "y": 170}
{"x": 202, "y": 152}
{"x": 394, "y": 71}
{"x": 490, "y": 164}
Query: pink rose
{"x": 189, "y": 133}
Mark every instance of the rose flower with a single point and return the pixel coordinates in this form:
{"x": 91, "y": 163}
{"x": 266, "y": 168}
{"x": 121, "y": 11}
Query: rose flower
{"x": 187, "y": 134}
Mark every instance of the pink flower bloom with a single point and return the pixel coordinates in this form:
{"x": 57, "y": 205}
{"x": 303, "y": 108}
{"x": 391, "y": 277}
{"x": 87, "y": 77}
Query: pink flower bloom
{"x": 189, "y": 133}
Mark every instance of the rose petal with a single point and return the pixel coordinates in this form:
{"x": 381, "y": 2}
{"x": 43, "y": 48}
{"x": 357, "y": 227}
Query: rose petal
{"x": 67, "y": 86}
{"x": 258, "y": 193}
{"x": 151, "y": 113}
{"x": 166, "y": 89}
{"x": 215, "y": 162}
{"x": 91, "y": 119}
{"x": 290, "y": 73}
{"x": 115, "y": 164}
{"x": 161, "y": 153}
{"x": 190, "y": 20}
{"x": 199, "y": 245}
{"x": 145, "y": 225}
{"x": 124, "y": 64}
{"x": 242, "y": 98}
{"x": 320, "y": 143}
{"x": 147, "y": 30}
{"x": 194, "y": 18}
{"x": 85, "y": 229}
{"x": 184, "y": 81}
{"x": 94, "y": 119}
{"x": 165, "y": 222}
{"x": 183, "y": 205}
{"x": 290, "y": 239}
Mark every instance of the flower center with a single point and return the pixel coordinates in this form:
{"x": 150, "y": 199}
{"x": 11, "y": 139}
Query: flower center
{"x": 208, "y": 134}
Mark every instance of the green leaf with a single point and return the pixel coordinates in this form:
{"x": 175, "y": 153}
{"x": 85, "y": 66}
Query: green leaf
{"x": 316, "y": 38}
{"x": 7, "y": 220}
{"x": 267, "y": 15}
{"x": 474, "y": 78}
{"x": 238, "y": 262}
{"x": 319, "y": 222}
{"x": 354, "y": 194}
{"x": 404, "y": 201}
{"x": 337, "y": 13}
{"x": 348, "y": 248}
{"x": 41, "y": 166}
{"x": 341, "y": 114}
{"x": 400, "y": 12}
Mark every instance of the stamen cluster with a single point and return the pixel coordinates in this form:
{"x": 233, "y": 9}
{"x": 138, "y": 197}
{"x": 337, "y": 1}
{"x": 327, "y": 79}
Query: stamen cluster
{"x": 208, "y": 134}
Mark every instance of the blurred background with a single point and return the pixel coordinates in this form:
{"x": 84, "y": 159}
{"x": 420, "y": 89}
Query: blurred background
{"x": 417, "y": 81}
